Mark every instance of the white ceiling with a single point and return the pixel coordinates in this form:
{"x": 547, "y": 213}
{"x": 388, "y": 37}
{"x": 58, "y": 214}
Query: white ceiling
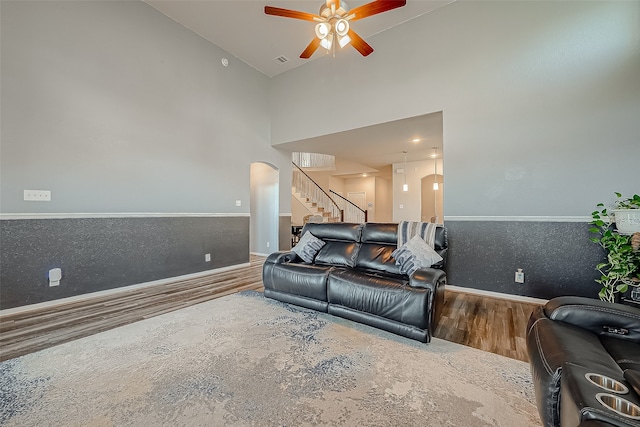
{"x": 241, "y": 28}
{"x": 380, "y": 145}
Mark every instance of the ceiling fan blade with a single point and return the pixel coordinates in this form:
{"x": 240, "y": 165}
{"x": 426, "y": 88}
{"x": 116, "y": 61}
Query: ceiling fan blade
{"x": 288, "y": 13}
{"x": 306, "y": 54}
{"x": 359, "y": 44}
{"x": 375, "y": 7}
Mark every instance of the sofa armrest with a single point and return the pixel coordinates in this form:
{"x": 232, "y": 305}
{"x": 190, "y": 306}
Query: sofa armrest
{"x": 282, "y": 257}
{"x": 435, "y": 280}
{"x": 428, "y": 278}
{"x": 599, "y": 317}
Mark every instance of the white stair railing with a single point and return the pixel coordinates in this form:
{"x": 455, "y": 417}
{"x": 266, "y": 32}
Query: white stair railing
{"x": 352, "y": 213}
{"x": 308, "y": 189}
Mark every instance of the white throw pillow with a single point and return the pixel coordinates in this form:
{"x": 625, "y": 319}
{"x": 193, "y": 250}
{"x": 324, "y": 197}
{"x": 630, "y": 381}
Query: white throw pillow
{"x": 308, "y": 247}
{"x": 415, "y": 254}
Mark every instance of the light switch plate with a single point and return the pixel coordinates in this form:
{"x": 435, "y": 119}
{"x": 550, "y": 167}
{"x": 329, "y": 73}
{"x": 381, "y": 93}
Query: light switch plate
{"x": 37, "y": 195}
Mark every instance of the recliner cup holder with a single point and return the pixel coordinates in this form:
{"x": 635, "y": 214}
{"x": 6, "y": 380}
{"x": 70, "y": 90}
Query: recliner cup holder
{"x": 607, "y": 383}
{"x": 619, "y": 405}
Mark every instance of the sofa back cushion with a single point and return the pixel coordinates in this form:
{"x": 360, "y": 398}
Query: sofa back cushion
{"x": 342, "y": 242}
{"x": 441, "y": 245}
{"x": 378, "y": 242}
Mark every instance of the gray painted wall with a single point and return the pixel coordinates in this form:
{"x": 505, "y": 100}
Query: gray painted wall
{"x": 540, "y": 100}
{"x": 540, "y": 105}
{"x": 115, "y": 107}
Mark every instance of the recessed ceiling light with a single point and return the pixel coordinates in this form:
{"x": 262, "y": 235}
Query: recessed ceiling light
{"x": 364, "y": 175}
{"x": 416, "y": 140}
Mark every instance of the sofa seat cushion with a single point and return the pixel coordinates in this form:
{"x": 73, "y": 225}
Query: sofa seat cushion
{"x": 300, "y": 279}
{"x": 379, "y": 295}
{"x": 625, "y": 353}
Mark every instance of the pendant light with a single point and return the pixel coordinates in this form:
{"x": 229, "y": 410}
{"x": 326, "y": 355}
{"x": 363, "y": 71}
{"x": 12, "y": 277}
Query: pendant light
{"x": 435, "y": 169}
{"x": 405, "y": 187}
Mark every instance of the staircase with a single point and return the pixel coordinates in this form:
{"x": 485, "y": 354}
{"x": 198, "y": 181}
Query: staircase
{"x": 314, "y": 198}
{"x": 313, "y": 208}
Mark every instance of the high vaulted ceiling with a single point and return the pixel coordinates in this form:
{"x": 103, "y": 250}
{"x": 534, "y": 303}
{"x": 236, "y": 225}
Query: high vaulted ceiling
{"x": 243, "y": 29}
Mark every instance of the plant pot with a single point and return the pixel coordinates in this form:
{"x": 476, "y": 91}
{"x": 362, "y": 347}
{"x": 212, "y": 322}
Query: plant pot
{"x": 627, "y": 221}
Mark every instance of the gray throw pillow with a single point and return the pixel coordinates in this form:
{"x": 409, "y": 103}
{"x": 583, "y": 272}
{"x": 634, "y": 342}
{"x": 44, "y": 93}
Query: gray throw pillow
{"x": 415, "y": 254}
{"x": 308, "y": 247}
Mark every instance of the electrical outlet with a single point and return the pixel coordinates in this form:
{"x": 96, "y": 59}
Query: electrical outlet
{"x": 238, "y": 202}
{"x": 519, "y": 276}
{"x": 55, "y": 275}
{"x": 267, "y": 244}
{"x": 207, "y": 257}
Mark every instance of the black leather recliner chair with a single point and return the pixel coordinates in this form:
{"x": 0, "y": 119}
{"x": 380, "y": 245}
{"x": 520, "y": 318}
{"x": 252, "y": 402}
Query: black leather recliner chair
{"x": 354, "y": 276}
{"x": 585, "y": 362}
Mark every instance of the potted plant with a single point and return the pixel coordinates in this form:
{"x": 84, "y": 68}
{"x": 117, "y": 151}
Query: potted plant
{"x": 626, "y": 213}
{"x": 622, "y": 266}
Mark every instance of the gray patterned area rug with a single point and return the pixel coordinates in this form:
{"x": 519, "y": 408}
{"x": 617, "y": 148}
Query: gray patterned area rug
{"x": 244, "y": 360}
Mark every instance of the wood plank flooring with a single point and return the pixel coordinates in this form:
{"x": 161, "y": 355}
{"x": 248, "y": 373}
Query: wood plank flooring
{"x": 489, "y": 324}
{"x": 31, "y": 331}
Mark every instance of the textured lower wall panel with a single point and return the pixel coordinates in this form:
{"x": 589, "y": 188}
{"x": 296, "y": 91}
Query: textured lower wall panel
{"x": 557, "y": 257}
{"x": 285, "y": 233}
{"x": 106, "y": 253}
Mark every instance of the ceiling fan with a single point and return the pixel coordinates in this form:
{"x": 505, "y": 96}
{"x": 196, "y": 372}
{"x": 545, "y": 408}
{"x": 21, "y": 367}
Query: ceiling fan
{"x": 333, "y": 23}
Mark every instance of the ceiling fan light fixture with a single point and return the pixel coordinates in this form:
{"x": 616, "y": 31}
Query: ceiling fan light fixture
{"x": 343, "y": 41}
{"x": 342, "y": 27}
{"x": 327, "y": 42}
{"x": 322, "y": 30}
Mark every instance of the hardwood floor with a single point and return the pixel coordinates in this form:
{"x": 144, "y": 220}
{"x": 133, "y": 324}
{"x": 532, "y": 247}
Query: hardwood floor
{"x": 490, "y": 324}
{"x": 35, "y": 330}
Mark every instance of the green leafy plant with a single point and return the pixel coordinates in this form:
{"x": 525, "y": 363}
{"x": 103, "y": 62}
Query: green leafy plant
{"x": 622, "y": 266}
{"x": 625, "y": 203}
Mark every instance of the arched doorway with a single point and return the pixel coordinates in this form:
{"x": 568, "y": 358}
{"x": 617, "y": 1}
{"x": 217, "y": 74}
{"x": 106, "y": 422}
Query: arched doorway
{"x": 264, "y": 207}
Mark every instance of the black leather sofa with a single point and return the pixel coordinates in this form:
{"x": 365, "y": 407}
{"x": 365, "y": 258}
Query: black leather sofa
{"x": 585, "y": 358}
{"x": 354, "y": 276}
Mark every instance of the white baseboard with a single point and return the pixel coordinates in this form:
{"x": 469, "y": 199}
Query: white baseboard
{"x": 259, "y": 254}
{"x": 496, "y": 294}
{"x": 83, "y": 297}
{"x": 520, "y": 218}
{"x": 19, "y": 216}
